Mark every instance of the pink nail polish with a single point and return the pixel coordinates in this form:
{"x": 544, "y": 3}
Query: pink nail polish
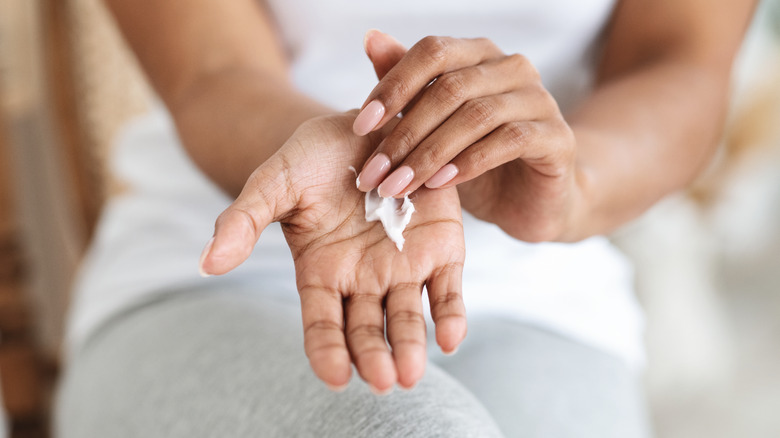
{"x": 203, "y": 256}
{"x": 367, "y": 120}
{"x": 375, "y": 171}
{"x": 443, "y": 176}
{"x": 396, "y": 182}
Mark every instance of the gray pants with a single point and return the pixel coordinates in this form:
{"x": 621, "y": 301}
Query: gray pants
{"x": 231, "y": 364}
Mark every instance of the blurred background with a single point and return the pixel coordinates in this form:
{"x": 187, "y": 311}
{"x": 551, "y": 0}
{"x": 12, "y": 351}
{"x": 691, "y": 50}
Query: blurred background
{"x": 707, "y": 260}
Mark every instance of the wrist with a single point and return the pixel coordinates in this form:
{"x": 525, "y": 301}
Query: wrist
{"x": 578, "y": 222}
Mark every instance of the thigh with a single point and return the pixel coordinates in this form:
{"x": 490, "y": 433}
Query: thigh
{"x": 535, "y": 383}
{"x": 232, "y": 365}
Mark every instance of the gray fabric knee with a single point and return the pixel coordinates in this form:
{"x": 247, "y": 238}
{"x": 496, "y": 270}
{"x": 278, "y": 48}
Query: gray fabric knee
{"x": 232, "y": 365}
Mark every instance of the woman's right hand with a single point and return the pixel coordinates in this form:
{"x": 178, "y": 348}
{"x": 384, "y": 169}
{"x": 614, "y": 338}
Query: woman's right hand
{"x": 473, "y": 115}
{"x": 350, "y": 276}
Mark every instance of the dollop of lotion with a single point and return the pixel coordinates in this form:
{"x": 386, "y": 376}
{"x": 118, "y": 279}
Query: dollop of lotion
{"x": 394, "y": 214}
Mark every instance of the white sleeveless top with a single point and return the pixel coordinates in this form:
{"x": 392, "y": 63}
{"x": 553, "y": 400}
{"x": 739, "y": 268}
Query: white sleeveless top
{"x": 149, "y": 238}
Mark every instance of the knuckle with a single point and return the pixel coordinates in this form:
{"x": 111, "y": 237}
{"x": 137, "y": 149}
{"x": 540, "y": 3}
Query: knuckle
{"x": 450, "y": 88}
{"x": 443, "y": 303}
{"x": 515, "y": 133}
{"x": 322, "y": 326}
{"x": 435, "y": 47}
{"x": 317, "y": 350}
{"x": 406, "y": 317}
{"x": 404, "y": 139}
{"x": 408, "y": 342}
{"x": 488, "y": 47}
{"x": 524, "y": 65}
{"x": 366, "y": 331}
{"x": 480, "y": 156}
{"x": 518, "y": 60}
{"x": 434, "y": 155}
{"x": 487, "y": 42}
{"x": 238, "y": 214}
{"x": 531, "y": 71}
{"x": 480, "y": 113}
{"x": 392, "y": 90}
{"x": 364, "y": 299}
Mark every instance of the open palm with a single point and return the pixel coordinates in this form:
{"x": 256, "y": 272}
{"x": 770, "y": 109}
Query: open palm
{"x": 349, "y": 274}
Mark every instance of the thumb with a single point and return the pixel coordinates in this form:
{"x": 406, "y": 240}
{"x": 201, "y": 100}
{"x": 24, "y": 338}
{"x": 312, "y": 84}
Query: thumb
{"x": 264, "y": 199}
{"x": 383, "y": 50}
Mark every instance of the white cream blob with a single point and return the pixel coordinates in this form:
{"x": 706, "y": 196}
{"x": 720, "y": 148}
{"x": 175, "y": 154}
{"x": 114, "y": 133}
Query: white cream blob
{"x": 394, "y": 214}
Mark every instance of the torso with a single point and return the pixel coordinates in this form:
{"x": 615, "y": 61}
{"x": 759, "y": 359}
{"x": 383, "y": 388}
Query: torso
{"x": 324, "y": 38}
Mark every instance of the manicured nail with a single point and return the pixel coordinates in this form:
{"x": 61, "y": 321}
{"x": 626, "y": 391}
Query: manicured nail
{"x": 335, "y": 388}
{"x": 408, "y": 388}
{"x": 377, "y": 391}
{"x": 365, "y": 40}
{"x": 396, "y": 182}
{"x": 367, "y": 120}
{"x": 203, "y": 256}
{"x": 385, "y": 42}
{"x": 451, "y": 352}
{"x": 375, "y": 171}
{"x": 443, "y": 176}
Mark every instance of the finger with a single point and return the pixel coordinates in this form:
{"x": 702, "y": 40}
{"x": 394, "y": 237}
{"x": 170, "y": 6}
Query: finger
{"x": 383, "y": 50}
{"x": 447, "y": 309}
{"x": 323, "y": 335}
{"x": 263, "y": 199}
{"x": 547, "y": 147}
{"x": 365, "y": 323}
{"x": 476, "y": 119}
{"x": 473, "y": 121}
{"x": 406, "y": 332}
{"x": 426, "y": 60}
{"x": 449, "y": 93}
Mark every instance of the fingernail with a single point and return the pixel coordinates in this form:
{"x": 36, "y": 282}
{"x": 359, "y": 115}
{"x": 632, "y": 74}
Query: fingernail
{"x": 451, "y": 352}
{"x": 396, "y": 182}
{"x": 365, "y": 40}
{"x": 367, "y": 120}
{"x": 443, "y": 176}
{"x": 384, "y": 43}
{"x": 408, "y": 388}
{"x": 335, "y": 388}
{"x": 375, "y": 170}
{"x": 377, "y": 391}
{"x": 203, "y": 256}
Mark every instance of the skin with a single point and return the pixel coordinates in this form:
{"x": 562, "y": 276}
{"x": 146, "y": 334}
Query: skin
{"x": 541, "y": 175}
{"x": 349, "y": 274}
{"x": 224, "y": 77}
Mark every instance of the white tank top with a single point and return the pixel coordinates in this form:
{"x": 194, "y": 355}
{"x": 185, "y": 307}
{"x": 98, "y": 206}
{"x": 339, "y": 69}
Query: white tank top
{"x": 149, "y": 239}
{"x": 325, "y": 38}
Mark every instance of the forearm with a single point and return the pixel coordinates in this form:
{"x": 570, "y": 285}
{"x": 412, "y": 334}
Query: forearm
{"x": 649, "y": 127}
{"x": 220, "y": 70}
{"x": 641, "y": 137}
{"x": 234, "y": 121}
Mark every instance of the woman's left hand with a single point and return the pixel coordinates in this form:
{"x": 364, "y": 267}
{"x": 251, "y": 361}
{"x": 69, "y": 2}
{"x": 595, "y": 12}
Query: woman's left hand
{"x": 468, "y": 109}
{"x": 360, "y": 296}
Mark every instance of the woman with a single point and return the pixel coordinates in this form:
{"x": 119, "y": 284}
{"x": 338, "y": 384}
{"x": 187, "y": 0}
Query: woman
{"x": 610, "y": 107}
